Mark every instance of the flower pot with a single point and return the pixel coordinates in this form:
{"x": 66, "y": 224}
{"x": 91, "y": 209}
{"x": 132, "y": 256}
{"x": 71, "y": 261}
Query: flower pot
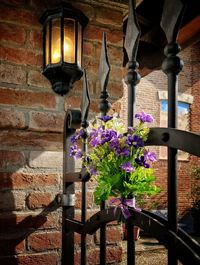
{"x": 136, "y": 232}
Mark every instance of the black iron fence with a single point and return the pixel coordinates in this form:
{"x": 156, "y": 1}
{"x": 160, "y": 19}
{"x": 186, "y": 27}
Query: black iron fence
{"x": 179, "y": 244}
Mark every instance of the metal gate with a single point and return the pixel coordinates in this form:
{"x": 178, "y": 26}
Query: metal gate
{"x": 179, "y": 244}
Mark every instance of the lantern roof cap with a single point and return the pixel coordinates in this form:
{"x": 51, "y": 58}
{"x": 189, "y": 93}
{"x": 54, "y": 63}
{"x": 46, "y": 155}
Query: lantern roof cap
{"x": 64, "y": 10}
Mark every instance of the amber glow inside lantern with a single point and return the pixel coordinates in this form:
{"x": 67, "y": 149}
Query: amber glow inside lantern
{"x": 63, "y": 37}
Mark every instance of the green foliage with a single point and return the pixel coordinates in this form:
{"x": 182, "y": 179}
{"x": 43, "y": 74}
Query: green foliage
{"x": 118, "y": 159}
{"x": 195, "y": 191}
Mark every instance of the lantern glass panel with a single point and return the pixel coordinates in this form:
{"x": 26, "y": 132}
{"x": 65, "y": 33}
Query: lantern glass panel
{"x": 47, "y": 46}
{"x": 69, "y": 40}
{"x": 79, "y": 52}
{"x": 56, "y": 41}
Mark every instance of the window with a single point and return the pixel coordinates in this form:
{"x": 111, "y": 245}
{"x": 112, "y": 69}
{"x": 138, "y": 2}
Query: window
{"x": 183, "y": 121}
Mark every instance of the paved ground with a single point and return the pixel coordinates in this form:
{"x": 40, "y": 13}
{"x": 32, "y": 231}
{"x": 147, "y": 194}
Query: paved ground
{"x": 148, "y": 252}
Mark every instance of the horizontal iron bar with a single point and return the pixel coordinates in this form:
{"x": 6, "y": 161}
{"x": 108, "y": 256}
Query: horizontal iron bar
{"x": 66, "y": 199}
{"x": 81, "y": 176}
{"x": 177, "y": 139}
{"x": 74, "y": 226}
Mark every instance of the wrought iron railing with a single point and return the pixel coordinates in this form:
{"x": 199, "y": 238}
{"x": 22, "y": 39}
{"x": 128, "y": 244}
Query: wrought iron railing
{"x": 179, "y": 244}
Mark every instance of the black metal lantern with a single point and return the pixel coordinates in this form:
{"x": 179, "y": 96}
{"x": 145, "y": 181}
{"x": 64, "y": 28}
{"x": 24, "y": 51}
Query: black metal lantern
{"x": 62, "y": 45}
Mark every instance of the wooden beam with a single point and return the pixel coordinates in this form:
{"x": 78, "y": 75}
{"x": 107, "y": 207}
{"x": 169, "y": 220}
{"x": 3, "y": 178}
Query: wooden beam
{"x": 190, "y": 33}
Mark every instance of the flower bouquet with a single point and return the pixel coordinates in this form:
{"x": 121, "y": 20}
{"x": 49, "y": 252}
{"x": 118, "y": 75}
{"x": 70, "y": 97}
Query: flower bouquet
{"x": 118, "y": 161}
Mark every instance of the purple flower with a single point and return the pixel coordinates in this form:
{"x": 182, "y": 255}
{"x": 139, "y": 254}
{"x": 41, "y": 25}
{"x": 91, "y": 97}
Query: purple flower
{"x": 81, "y": 133}
{"x": 108, "y": 135}
{"x": 77, "y": 136}
{"x": 143, "y": 117}
{"x": 130, "y": 140}
{"x": 142, "y": 162}
{"x": 151, "y": 156}
{"x": 114, "y": 143}
{"x": 127, "y": 167}
{"x": 134, "y": 139}
{"x": 105, "y": 118}
{"x": 95, "y": 141}
{"x": 122, "y": 151}
{"x": 93, "y": 171}
{"x": 95, "y": 132}
{"x": 130, "y": 130}
{"x": 73, "y": 139}
{"x": 139, "y": 141}
{"x": 75, "y": 152}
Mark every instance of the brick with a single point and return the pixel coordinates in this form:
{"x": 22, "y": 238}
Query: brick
{"x": 12, "y": 74}
{"x": 46, "y": 159}
{"x": 116, "y": 74}
{"x": 14, "y": 2}
{"x": 93, "y": 257}
{"x": 109, "y": 16}
{"x": 72, "y": 102}
{"x": 11, "y": 159}
{"x": 88, "y": 48}
{"x": 25, "y": 98}
{"x": 21, "y": 56}
{"x": 115, "y": 55}
{"x": 115, "y": 89}
{"x": 115, "y": 37}
{"x": 113, "y": 235}
{"x": 37, "y": 79}
{"x": 44, "y": 241}
{"x": 12, "y": 34}
{"x": 23, "y": 140}
{"x": 35, "y": 39}
{"x": 13, "y": 222}
{"x": 87, "y": 9}
{"x": 19, "y": 16}
{"x": 12, "y": 119}
{"x": 39, "y": 200}
{"x": 77, "y": 239}
{"x": 12, "y": 200}
{"x": 11, "y": 246}
{"x": 116, "y": 107}
{"x": 46, "y": 121}
{"x": 93, "y": 33}
{"x": 20, "y": 180}
{"x": 75, "y": 101}
{"x": 92, "y": 65}
{"x": 90, "y": 200}
{"x": 32, "y": 259}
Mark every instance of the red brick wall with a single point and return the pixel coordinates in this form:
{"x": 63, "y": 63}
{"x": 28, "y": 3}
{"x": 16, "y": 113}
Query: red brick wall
{"x": 31, "y": 122}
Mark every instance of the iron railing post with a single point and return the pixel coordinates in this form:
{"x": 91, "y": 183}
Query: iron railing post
{"x": 131, "y": 45}
{"x": 171, "y": 66}
{"x": 104, "y": 70}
